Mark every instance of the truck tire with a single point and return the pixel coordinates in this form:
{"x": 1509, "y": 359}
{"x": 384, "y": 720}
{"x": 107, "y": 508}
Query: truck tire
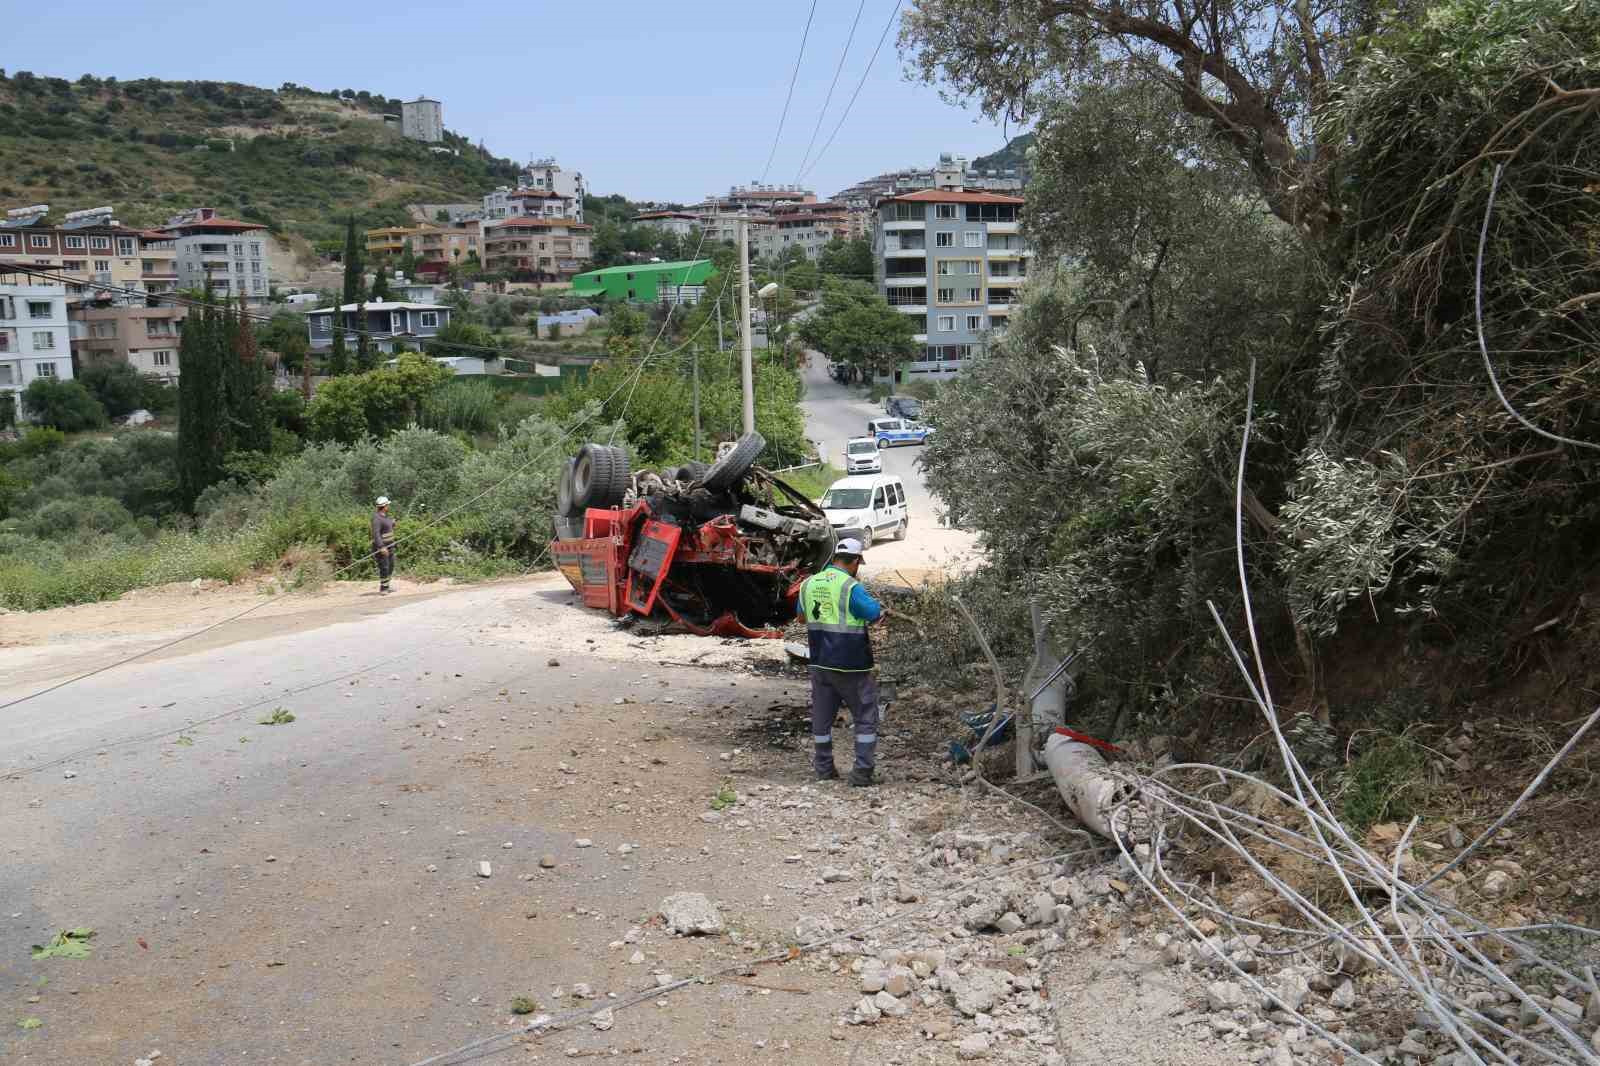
{"x": 621, "y": 477}
{"x": 689, "y": 472}
{"x": 565, "y": 506}
{"x": 595, "y": 478}
{"x": 728, "y": 471}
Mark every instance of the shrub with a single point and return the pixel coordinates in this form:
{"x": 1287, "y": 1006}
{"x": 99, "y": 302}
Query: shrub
{"x": 63, "y": 405}
{"x": 117, "y": 385}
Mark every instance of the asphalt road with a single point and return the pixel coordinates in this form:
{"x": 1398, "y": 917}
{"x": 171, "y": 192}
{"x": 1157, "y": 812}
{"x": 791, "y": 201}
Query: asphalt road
{"x": 834, "y": 414}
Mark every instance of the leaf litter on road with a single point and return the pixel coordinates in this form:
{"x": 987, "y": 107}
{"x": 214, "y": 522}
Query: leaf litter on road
{"x": 67, "y": 944}
{"x": 29, "y": 1023}
{"x": 279, "y": 716}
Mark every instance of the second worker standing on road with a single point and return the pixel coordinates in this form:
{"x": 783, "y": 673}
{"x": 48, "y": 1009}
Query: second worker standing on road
{"x": 383, "y": 543}
{"x": 837, "y": 610}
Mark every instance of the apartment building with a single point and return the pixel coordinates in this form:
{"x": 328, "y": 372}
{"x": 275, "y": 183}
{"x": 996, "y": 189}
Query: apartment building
{"x": 527, "y": 201}
{"x": 956, "y": 262}
{"x": 546, "y": 175}
{"x": 390, "y": 323}
{"x": 438, "y": 248}
{"x": 422, "y": 119}
{"x": 88, "y": 251}
{"x": 681, "y": 223}
{"x": 541, "y": 249}
{"x": 951, "y": 172}
{"x": 144, "y": 337}
{"x": 388, "y": 240}
{"x": 35, "y": 336}
{"x": 806, "y": 226}
{"x": 222, "y": 256}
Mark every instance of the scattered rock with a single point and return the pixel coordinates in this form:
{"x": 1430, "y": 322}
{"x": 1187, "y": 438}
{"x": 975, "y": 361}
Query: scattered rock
{"x": 583, "y": 842}
{"x": 1290, "y": 990}
{"x": 691, "y": 914}
{"x": 979, "y": 992}
{"x": 975, "y": 1046}
{"x": 485, "y": 870}
{"x": 1497, "y": 883}
{"x": 889, "y": 1005}
{"x": 604, "y": 1020}
{"x": 1566, "y": 1010}
{"x": 1008, "y": 923}
{"x": 69, "y": 774}
{"x": 898, "y": 982}
{"x": 810, "y": 930}
{"x": 833, "y": 875}
{"x": 984, "y": 913}
{"x": 547, "y": 862}
{"x": 636, "y": 959}
{"x": 1224, "y": 996}
{"x": 1343, "y": 997}
{"x": 1042, "y": 909}
{"x": 866, "y": 1012}
{"x": 873, "y": 981}
{"x": 582, "y": 991}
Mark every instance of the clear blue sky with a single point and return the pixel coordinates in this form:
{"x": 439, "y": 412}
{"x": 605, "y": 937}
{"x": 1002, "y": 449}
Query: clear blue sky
{"x": 652, "y": 100}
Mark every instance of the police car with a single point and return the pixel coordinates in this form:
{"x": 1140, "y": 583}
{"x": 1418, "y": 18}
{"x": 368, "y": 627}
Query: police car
{"x": 890, "y": 432}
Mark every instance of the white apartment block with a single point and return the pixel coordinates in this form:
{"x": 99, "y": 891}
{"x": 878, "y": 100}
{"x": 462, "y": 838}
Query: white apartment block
{"x": 35, "y": 336}
{"x": 222, "y": 256}
{"x": 544, "y": 190}
{"x": 422, "y": 120}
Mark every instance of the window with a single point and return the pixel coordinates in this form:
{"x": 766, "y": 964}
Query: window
{"x": 8, "y": 240}
{"x": 255, "y": 248}
{"x": 38, "y": 240}
{"x": 877, "y": 497}
{"x": 906, "y": 295}
{"x": 72, "y": 264}
{"x": 999, "y": 270}
{"x": 944, "y": 211}
{"x": 255, "y": 285}
{"x": 429, "y": 319}
{"x": 238, "y": 249}
{"x": 971, "y": 266}
{"x": 160, "y": 358}
{"x": 102, "y": 265}
{"x": 974, "y": 323}
{"x": 255, "y": 267}
{"x": 946, "y": 324}
{"x": 102, "y": 329}
{"x": 5, "y": 371}
{"x": 943, "y": 268}
{"x": 974, "y": 296}
{"x": 947, "y": 296}
{"x": 974, "y": 238}
{"x": 909, "y": 212}
{"x": 125, "y": 246}
{"x": 944, "y": 240}
{"x": 38, "y": 309}
{"x": 77, "y": 242}
{"x": 100, "y": 244}
{"x": 157, "y": 327}
{"x": 43, "y": 340}
{"x": 238, "y": 266}
{"x": 44, "y": 370}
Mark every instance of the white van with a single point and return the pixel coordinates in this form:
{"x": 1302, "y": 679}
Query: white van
{"x": 871, "y": 507}
{"x": 861, "y": 456}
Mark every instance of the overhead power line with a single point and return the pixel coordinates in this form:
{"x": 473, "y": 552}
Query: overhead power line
{"x": 826, "y": 100}
{"x": 874, "y": 58}
{"x": 787, "y": 99}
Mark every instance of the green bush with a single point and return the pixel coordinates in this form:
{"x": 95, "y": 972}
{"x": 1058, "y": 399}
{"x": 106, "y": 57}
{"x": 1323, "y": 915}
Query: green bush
{"x": 63, "y": 405}
{"x": 117, "y": 385}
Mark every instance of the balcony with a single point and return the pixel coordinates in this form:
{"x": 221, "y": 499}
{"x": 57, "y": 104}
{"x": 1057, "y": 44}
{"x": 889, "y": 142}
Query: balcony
{"x": 902, "y": 226}
{"x": 1004, "y": 227}
{"x": 1010, "y": 280}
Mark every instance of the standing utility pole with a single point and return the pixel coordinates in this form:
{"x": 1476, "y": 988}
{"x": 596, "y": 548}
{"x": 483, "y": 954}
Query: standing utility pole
{"x": 746, "y": 375}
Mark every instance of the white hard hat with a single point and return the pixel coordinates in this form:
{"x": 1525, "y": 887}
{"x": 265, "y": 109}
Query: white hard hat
{"x": 848, "y": 546}
{"x": 383, "y": 501}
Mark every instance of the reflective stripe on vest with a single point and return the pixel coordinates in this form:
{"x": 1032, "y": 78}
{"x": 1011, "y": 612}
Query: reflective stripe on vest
{"x": 837, "y": 638}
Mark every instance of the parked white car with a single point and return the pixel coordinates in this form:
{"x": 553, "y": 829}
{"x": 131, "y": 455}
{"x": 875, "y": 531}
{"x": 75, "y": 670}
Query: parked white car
{"x": 871, "y": 507}
{"x": 861, "y": 456}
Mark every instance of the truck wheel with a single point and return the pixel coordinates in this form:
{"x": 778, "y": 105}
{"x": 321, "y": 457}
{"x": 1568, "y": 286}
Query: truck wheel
{"x": 689, "y": 472}
{"x": 621, "y": 477}
{"x": 565, "y": 507}
{"x": 728, "y": 471}
{"x": 592, "y": 473}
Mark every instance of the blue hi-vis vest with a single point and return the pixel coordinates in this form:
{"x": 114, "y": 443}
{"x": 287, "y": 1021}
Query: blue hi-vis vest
{"x": 838, "y": 639}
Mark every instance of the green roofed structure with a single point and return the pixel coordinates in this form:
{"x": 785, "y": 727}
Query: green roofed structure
{"x": 682, "y": 281}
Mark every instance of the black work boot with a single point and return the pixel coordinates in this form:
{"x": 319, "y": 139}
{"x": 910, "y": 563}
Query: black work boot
{"x": 829, "y": 773}
{"x": 861, "y": 778}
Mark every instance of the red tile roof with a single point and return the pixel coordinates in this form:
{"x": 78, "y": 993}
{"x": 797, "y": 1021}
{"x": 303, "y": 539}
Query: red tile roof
{"x": 214, "y": 223}
{"x": 943, "y": 196}
{"x": 544, "y": 194}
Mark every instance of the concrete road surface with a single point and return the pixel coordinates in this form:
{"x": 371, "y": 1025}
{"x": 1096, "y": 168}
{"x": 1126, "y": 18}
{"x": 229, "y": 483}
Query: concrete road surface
{"x": 834, "y": 414}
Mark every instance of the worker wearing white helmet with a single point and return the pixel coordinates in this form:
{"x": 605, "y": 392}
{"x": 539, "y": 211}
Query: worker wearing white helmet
{"x": 837, "y": 609}
{"x": 383, "y": 544}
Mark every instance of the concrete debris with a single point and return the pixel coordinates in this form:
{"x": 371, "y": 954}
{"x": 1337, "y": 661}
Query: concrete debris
{"x": 1008, "y": 923}
{"x": 890, "y": 1006}
{"x": 604, "y": 1020}
{"x": 833, "y": 875}
{"x": 691, "y": 914}
{"x": 810, "y": 929}
{"x": 485, "y": 870}
{"x": 1224, "y": 996}
{"x": 1343, "y": 997}
{"x": 1497, "y": 883}
{"x": 547, "y": 862}
{"x": 971, "y": 1047}
{"x": 980, "y": 991}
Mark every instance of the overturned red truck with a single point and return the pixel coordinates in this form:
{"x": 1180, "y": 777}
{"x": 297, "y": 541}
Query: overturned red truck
{"x": 715, "y": 550}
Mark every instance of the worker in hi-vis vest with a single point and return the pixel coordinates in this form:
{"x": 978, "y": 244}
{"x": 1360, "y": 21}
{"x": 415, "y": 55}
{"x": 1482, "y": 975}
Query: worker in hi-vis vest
{"x": 837, "y": 610}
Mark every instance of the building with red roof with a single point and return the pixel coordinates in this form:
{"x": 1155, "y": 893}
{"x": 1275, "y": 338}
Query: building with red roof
{"x": 225, "y": 257}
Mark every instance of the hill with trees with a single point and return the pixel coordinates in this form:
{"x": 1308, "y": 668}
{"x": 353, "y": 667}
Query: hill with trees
{"x": 298, "y": 160}
{"x": 1013, "y": 156}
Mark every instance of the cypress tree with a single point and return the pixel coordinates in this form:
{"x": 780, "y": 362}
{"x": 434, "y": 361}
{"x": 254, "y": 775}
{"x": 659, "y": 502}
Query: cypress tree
{"x": 353, "y": 269}
{"x": 366, "y": 352}
{"x": 380, "y": 285}
{"x": 202, "y": 413}
{"x": 247, "y": 387}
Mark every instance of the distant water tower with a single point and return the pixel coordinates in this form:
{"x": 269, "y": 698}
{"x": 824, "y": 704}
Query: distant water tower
{"x": 422, "y": 120}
